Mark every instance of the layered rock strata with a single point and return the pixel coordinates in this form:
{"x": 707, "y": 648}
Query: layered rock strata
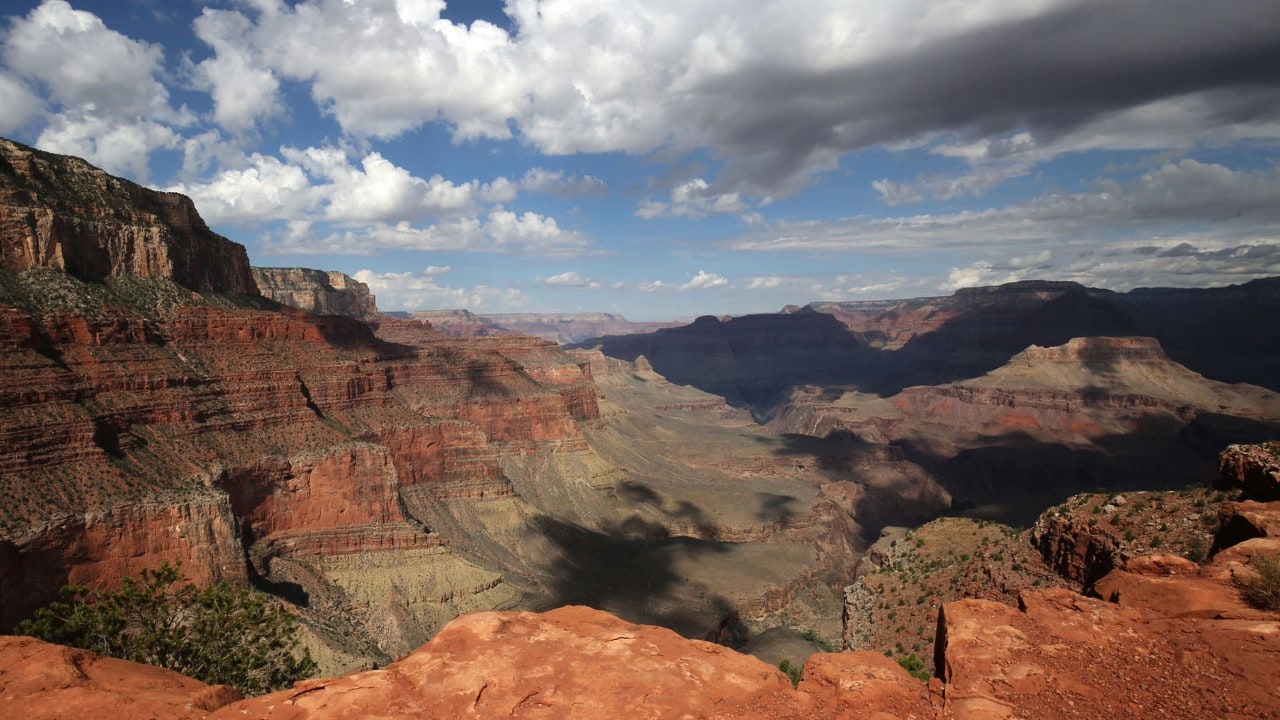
{"x": 212, "y": 436}
{"x": 323, "y": 292}
{"x": 60, "y": 212}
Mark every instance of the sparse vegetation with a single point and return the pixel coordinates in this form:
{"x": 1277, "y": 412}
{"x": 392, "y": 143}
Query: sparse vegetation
{"x": 216, "y": 634}
{"x": 1262, "y": 588}
{"x": 818, "y": 641}
{"x": 791, "y": 671}
{"x": 914, "y": 665}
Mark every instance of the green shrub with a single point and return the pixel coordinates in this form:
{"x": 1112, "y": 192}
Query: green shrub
{"x": 914, "y": 665}
{"x": 792, "y": 671}
{"x": 1262, "y": 590}
{"x": 818, "y": 641}
{"x": 216, "y": 634}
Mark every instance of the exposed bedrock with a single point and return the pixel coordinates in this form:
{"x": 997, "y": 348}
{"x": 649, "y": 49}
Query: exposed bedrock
{"x": 323, "y": 292}
{"x": 60, "y": 212}
{"x": 193, "y": 437}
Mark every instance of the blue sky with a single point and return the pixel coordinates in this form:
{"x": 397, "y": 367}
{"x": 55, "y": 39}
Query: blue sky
{"x": 671, "y": 158}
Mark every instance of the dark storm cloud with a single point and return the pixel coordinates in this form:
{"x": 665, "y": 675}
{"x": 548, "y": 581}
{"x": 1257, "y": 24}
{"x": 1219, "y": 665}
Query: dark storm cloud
{"x": 1051, "y": 75}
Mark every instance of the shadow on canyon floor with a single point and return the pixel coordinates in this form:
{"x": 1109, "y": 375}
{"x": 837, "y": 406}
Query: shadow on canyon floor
{"x": 631, "y": 570}
{"x": 1013, "y": 477}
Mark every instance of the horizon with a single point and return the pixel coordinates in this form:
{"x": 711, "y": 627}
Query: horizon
{"x": 664, "y": 160}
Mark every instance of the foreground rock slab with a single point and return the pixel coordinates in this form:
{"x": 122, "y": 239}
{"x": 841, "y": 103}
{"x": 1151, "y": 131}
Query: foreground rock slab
{"x": 41, "y": 681}
{"x": 1068, "y": 656}
{"x": 573, "y": 662}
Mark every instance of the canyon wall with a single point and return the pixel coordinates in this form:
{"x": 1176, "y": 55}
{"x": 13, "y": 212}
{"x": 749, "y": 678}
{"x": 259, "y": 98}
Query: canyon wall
{"x": 60, "y": 212}
{"x": 1167, "y": 637}
{"x": 323, "y": 292}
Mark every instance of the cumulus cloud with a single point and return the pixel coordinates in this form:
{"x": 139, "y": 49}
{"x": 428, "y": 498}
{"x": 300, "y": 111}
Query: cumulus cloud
{"x": 571, "y": 279}
{"x": 705, "y": 281}
{"x": 18, "y": 104}
{"x": 118, "y": 147}
{"x": 422, "y": 291}
{"x": 264, "y": 188}
{"x": 244, "y": 91}
{"x": 378, "y": 189}
{"x": 592, "y": 76}
{"x": 107, "y": 103}
{"x": 650, "y": 285}
{"x": 530, "y": 231}
{"x": 692, "y": 199}
{"x": 325, "y": 181}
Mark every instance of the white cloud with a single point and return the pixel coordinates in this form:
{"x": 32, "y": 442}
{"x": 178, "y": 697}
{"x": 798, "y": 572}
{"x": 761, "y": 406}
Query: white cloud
{"x": 500, "y": 232}
{"x": 705, "y": 281}
{"x": 501, "y": 190}
{"x": 531, "y": 232}
{"x": 977, "y": 274}
{"x": 84, "y": 64}
{"x": 692, "y": 199}
{"x": 421, "y": 291}
{"x": 379, "y": 189}
{"x": 18, "y": 104}
{"x": 650, "y": 286}
{"x": 108, "y": 104}
{"x": 437, "y": 270}
{"x": 244, "y": 91}
{"x": 265, "y": 188}
{"x": 764, "y": 283}
{"x": 571, "y": 279}
{"x": 118, "y": 147}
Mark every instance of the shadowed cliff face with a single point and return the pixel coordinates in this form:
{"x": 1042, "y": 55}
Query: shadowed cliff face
{"x": 754, "y": 361}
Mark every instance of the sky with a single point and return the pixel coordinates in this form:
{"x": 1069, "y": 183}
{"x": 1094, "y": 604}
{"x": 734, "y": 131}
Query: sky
{"x": 667, "y": 158}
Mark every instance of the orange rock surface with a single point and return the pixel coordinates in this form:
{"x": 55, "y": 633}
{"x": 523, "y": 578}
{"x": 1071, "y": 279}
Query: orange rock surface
{"x": 41, "y": 681}
{"x": 569, "y": 663}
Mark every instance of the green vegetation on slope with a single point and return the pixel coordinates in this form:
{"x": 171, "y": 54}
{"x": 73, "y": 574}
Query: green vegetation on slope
{"x": 216, "y": 634}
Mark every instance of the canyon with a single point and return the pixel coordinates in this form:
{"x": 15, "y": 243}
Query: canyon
{"x": 1161, "y": 634}
{"x": 441, "y": 501}
{"x": 382, "y": 478}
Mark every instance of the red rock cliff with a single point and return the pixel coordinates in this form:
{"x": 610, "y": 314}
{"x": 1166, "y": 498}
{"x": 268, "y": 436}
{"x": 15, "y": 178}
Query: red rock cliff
{"x": 61, "y": 212}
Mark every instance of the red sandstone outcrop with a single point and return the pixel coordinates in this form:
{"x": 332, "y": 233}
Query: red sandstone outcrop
{"x": 1075, "y": 549}
{"x": 1067, "y": 656}
{"x": 58, "y": 211}
{"x": 1255, "y": 469}
{"x": 573, "y": 662}
{"x": 41, "y": 681}
{"x": 317, "y": 291}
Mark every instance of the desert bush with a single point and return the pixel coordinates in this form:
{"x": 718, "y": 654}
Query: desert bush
{"x": 914, "y": 665}
{"x": 792, "y": 671}
{"x": 216, "y": 634}
{"x": 1262, "y": 588}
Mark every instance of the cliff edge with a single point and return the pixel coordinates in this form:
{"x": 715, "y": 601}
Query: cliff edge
{"x": 323, "y": 292}
{"x": 58, "y": 211}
